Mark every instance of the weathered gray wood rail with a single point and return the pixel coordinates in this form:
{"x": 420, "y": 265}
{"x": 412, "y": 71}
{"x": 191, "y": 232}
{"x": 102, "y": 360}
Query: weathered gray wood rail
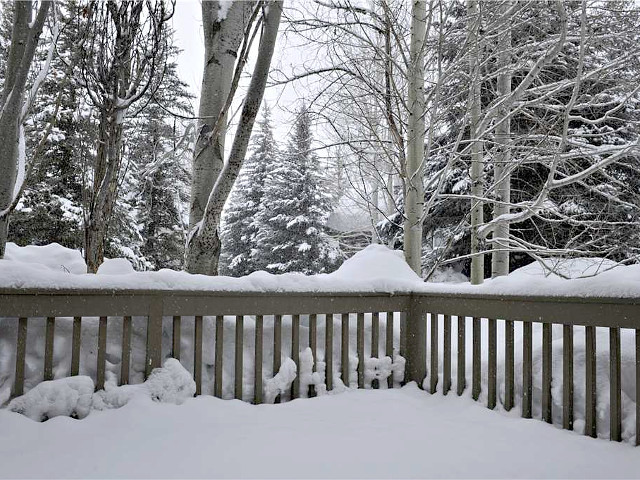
{"x": 420, "y": 335}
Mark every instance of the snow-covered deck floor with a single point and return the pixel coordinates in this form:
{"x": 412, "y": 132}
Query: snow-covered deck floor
{"x": 372, "y": 434}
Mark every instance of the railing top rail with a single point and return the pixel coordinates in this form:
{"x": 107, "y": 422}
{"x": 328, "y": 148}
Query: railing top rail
{"x": 509, "y": 297}
{"x": 604, "y": 311}
{"x": 206, "y": 293}
{"x": 81, "y": 302}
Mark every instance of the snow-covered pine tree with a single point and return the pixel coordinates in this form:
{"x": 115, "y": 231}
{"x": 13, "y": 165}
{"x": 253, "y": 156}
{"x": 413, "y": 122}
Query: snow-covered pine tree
{"x": 240, "y": 221}
{"x": 295, "y": 209}
{"x": 157, "y": 187}
{"x": 50, "y": 209}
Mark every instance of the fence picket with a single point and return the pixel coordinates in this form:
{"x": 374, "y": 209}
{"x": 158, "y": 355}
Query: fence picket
{"x": 462, "y": 359}
{"x": 76, "y": 340}
{"x": 492, "y": 366}
{"x": 102, "y": 353}
{"x": 433, "y": 381}
{"x": 328, "y": 350}
{"x": 154, "y": 336}
{"x": 21, "y": 355}
{"x": 176, "y": 337}
{"x": 257, "y": 361}
{"x": 389, "y": 343}
{"x": 615, "y": 400}
{"x": 509, "y": 367}
{"x": 546, "y": 372}
{"x": 277, "y": 347}
{"x": 344, "y": 350}
{"x": 239, "y": 350}
{"x": 527, "y": 369}
{"x": 360, "y": 348}
{"x": 197, "y": 353}
{"x": 217, "y": 383}
{"x": 48, "y": 348}
{"x": 446, "y": 361}
{"x": 477, "y": 360}
{"x": 313, "y": 339}
{"x": 375, "y": 334}
{"x": 295, "y": 354}
{"x": 567, "y": 377}
{"x": 590, "y": 387}
{"x": 126, "y": 350}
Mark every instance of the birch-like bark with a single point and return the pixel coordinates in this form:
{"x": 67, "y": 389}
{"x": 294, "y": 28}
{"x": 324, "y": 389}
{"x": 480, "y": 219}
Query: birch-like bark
{"x": 25, "y": 35}
{"x": 477, "y": 165}
{"x": 222, "y": 40}
{"x": 414, "y": 186}
{"x": 502, "y": 175}
{"x": 203, "y": 244}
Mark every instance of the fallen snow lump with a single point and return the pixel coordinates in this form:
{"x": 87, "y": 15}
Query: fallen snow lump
{"x": 75, "y": 397}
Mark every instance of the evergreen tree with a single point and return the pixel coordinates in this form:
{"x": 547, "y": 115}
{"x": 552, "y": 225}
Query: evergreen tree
{"x": 50, "y": 209}
{"x": 292, "y": 236}
{"x": 241, "y": 226}
{"x": 156, "y": 191}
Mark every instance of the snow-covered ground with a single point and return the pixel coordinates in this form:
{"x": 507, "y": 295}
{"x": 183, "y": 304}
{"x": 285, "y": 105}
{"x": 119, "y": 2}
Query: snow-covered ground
{"x": 403, "y": 433}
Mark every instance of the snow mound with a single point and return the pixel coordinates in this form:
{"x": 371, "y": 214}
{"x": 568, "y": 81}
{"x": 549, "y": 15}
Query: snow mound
{"x": 376, "y": 262}
{"x": 281, "y": 382}
{"x": 115, "y": 266}
{"x": 69, "y": 397}
{"x": 53, "y": 256}
{"x": 171, "y": 383}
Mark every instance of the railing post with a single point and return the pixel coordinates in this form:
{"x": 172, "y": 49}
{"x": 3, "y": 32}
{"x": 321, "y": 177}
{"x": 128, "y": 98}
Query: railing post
{"x": 154, "y": 336}
{"x": 416, "y": 343}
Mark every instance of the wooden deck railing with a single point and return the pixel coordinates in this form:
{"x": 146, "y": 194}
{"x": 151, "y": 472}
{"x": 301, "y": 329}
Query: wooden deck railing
{"x": 418, "y": 326}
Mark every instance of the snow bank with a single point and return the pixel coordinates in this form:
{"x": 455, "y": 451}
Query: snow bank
{"x": 580, "y": 277}
{"x": 55, "y": 257}
{"x": 374, "y": 269}
{"x": 69, "y": 397}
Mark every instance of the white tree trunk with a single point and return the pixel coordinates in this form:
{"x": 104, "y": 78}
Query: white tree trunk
{"x": 414, "y": 187}
{"x": 222, "y": 40}
{"x": 203, "y": 245}
{"x": 501, "y": 170}
{"x": 477, "y": 166}
{"x": 24, "y": 39}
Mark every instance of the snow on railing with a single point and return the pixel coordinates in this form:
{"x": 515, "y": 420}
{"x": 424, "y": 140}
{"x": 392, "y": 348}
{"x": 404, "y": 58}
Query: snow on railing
{"x": 275, "y": 346}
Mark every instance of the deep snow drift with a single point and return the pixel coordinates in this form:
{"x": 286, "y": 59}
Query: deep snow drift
{"x": 403, "y": 433}
{"x": 374, "y": 269}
